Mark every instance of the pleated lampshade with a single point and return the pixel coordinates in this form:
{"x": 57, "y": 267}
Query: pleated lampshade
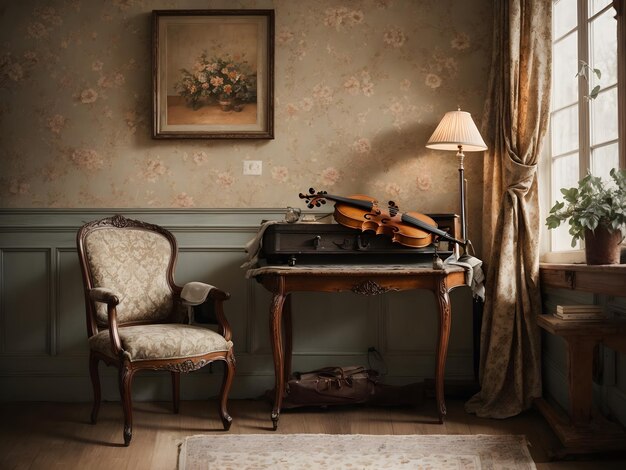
{"x": 457, "y": 128}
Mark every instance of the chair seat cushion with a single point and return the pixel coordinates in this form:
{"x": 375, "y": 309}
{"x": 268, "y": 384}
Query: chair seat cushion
{"x": 162, "y": 341}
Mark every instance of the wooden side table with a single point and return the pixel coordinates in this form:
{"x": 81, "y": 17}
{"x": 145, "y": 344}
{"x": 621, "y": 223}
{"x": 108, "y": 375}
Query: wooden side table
{"x": 582, "y": 431}
{"x": 361, "y": 279}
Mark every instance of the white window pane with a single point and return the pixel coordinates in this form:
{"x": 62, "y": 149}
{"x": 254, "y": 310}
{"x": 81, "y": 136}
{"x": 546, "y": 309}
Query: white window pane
{"x": 596, "y": 5}
{"x": 563, "y": 17}
{"x": 603, "y": 159}
{"x": 564, "y": 70}
{"x": 564, "y": 130}
{"x": 604, "y": 117}
{"x": 561, "y": 239}
{"x": 564, "y": 175}
{"x": 603, "y": 48}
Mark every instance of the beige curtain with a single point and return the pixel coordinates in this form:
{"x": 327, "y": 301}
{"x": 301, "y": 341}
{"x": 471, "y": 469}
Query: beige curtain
{"x": 514, "y": 123}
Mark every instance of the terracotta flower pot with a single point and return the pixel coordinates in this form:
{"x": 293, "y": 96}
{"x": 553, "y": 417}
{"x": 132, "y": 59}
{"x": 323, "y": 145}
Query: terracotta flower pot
{"x": 602, "y": 246}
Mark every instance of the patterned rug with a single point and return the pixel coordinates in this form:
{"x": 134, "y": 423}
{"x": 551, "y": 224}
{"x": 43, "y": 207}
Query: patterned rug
{"x": 353, "y": 452}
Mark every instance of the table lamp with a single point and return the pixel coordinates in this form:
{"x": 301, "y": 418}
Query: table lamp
{"x": 457, "y": 131}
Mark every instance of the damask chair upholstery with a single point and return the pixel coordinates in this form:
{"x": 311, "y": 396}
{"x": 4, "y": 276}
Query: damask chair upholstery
{"x": 137, "y": 317}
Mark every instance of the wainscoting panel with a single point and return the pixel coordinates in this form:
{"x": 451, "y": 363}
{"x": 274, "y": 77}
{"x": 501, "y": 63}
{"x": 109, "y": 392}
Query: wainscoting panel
{"x": 71, "y": 328}
{"x": 43, "y": 342}
{"x": 345, "y": 323}
{"x": 258, "y": 308}
{"x": 408, "y": 330}
{"x": 26, "y": 309}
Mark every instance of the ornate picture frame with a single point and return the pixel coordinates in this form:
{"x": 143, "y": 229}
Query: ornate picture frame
{"x": 213, "y": 74}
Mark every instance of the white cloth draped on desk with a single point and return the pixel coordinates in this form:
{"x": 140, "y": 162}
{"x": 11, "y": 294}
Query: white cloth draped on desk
{"x": 475, "y": 274}
{"x": 253, "y": 247}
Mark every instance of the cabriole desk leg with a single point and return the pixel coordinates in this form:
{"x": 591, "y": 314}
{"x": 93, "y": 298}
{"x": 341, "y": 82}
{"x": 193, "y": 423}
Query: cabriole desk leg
{"x": 443, "y": 300}
{"x": 276, "y": 312}
{"x": 288, "y": 335}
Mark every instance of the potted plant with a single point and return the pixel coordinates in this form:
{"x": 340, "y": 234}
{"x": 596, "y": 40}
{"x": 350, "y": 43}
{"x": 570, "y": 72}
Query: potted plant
{"x": 596, "y": 212}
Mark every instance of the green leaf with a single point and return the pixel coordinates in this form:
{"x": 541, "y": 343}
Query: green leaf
{"x": 553, "y": 221}
{"x": 598, "y": 73}
{"x": 570, "y": 195}
{"x": 557, "y": 207}
{"x": 585, "y": 181}
{"x": 593, "y": 223}
{"x": 596, "y": 181}
{"x": 594, "y": 93}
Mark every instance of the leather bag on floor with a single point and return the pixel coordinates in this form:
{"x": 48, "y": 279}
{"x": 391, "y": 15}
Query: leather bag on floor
{"x": 331, "y": 386}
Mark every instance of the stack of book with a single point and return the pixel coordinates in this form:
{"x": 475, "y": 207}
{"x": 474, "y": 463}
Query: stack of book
{"x": 579, "y": 312}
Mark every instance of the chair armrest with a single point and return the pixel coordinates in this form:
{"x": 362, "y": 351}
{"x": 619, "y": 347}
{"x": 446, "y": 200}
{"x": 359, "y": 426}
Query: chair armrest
{"x": 104, "y": 295}
{"x": 112, "y": 299}
{"x": 196, "y": 293}
{"x": 218, "y": 294}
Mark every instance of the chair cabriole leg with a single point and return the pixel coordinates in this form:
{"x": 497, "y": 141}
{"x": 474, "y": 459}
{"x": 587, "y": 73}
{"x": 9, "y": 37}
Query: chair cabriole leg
{"x": 125, "y": 381}
{"x": 227, "y": 381}
{"x": 95, "y": 383}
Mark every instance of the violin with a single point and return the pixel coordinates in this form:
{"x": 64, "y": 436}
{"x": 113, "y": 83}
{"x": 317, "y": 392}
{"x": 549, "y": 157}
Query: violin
{"x": 363, "y": 212}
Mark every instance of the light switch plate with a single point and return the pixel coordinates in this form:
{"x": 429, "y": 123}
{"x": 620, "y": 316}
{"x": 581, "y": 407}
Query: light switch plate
{"x": 253, "y": 167}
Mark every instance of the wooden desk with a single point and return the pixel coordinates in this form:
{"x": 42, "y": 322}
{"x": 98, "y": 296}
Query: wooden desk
{"x": 582, "y": 431}
{"x": 366, "y": 280}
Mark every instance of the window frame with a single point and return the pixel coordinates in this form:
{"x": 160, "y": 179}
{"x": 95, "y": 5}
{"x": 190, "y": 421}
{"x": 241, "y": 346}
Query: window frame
{"x": 584, "y": 123}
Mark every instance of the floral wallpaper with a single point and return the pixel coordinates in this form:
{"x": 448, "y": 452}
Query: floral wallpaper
{"x": 359, "y": 87}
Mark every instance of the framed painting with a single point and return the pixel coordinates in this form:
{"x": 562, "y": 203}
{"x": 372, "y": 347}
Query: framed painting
{"x": 213, "y": 74}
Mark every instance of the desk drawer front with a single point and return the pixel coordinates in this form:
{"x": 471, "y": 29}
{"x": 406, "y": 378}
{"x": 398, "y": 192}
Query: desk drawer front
{"x": 314, "y": 243}
{"x": 559, "y": 278}
{"x": 328, "y": 239}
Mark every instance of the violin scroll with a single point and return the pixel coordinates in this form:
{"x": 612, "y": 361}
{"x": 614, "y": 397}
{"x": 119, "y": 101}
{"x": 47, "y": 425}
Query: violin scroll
{"x": 314, "y": 199}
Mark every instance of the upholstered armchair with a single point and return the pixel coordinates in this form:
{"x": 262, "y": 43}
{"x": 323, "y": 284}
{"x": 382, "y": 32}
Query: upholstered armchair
{"x": 137, "y": 318}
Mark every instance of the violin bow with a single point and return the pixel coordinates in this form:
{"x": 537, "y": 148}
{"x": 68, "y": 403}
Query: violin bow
{"x": 316, "y": 199}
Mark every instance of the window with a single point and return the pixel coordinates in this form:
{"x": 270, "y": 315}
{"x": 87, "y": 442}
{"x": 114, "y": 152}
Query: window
{"x": 584, "y": 131}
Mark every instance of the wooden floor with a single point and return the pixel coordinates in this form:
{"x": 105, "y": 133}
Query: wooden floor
{"x": 58, "y": 435}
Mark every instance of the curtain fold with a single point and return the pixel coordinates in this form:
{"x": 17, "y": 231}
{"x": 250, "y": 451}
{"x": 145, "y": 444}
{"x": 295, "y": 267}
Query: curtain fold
{"x": 515, "y": 120}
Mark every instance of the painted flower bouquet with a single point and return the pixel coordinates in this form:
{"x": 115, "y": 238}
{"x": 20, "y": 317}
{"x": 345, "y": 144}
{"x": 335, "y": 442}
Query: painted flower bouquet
{"x": 218, "y": 79}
